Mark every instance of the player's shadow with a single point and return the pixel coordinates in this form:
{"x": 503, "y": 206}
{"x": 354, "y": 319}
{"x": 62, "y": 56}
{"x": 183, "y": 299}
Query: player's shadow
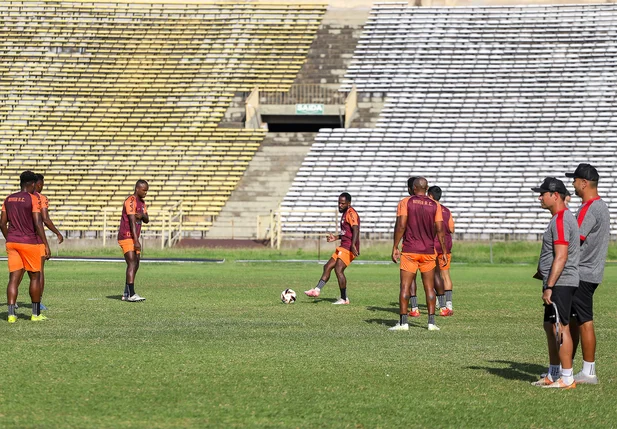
{"x": 391, "y": 322}
{"x": 513, "y": 371}
{"x": 118, "y": 297}
{"x": 393, "y": 309}
{"x": 325, "y": 299}
{"x": 4, "y": 316}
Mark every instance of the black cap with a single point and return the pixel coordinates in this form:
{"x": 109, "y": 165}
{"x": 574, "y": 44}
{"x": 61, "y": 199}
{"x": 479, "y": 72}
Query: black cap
{"x": 585, "y": 171}
{"x": 551, "y": 184}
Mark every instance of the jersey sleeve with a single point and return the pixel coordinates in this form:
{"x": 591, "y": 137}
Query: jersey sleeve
{"x": 451, "y": 223}
{"x": 560, "y": 230}
{"x": 36, "y": 203}
{"x": 351, "y": 217}
{"x": 401, "y": 210}
{"x": 130, "y": 205}
{"x": 44, "y": 201}
{"x": 438, "y": 213}
{"x": 585, "y": 227}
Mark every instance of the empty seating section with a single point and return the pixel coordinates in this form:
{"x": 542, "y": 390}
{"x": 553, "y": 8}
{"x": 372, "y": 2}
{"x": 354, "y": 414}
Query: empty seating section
{"x": 483, "y": 101}
{"x": 96, "y": 95}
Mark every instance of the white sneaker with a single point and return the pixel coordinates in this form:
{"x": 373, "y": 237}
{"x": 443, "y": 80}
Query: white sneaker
{"x": 341, "y": 301}
{"x": 585, "y": 379}
{"x": 135, "y": 298}
{"x": 399, "y": 327}
{"x": 432, "y": 327}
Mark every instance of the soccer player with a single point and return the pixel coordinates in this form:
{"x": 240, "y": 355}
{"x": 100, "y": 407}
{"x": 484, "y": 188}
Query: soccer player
{"x": 558, "y": 268}
{"x": 419, "y": 220}
{"x": 413, "y": 300}
{"x": 593, "y": 220}
{"x": 134, "y": 213}
{"x": 22, "y": 226}
{"x": 442, "y": 272}
{"x": 38, "y": 188}
{"x": 345, "y": 253}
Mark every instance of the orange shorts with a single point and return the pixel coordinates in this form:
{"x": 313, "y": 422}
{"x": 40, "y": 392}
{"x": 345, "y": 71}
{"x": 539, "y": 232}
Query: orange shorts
{"x": 412, "y": 261}
{"x": 127, "y": 245}
{"x": 21, "y": 256}
{"x": 42, "y": 249}
{"x": 344, "y": 255}
{"x": 441, "y": 265}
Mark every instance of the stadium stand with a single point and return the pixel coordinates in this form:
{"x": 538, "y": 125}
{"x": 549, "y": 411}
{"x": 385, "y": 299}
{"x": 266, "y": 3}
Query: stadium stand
{"x": 97, "y": 95}
{"x": 483, "y": 101}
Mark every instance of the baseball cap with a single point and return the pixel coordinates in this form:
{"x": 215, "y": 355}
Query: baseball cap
{"x": 585, "y": 171}
{"x": 551, "y": 184}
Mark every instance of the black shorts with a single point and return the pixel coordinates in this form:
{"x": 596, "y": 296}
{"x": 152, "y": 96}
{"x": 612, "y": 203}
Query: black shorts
{"x": 582, "y": 302}
{"x": 562, "y": 297}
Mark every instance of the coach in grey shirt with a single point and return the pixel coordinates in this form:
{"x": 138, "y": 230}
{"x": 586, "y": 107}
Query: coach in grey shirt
{"x": 594, "y": 222}
{"x": 558, "y": 268}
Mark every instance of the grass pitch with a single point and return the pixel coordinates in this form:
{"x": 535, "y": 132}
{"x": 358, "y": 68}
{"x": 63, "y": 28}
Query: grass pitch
{"x": 213, "y": 346}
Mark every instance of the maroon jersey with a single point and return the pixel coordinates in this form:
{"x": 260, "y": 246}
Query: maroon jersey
{"x": 132, "y": 206}
{"x": 448, "y": 223}
{"x": 19, "y": 208}
{"x": 422, "y": 213}
{"x": 348, "y": 219}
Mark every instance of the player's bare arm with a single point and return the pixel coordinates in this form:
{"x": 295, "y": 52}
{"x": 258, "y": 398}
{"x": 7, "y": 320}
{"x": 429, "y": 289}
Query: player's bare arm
{"x": 399, "y": 231}
{"x": 355, "y": 235}
{"x": 50, "y": 225}
{"x": 561, "y": 257}
{"x": 40, "y": 231}
{"x": 4, "y": 224}
{"x": 441, "y": 236}
{"x": 331, "y": 237}
{"x": 133, "y": 227}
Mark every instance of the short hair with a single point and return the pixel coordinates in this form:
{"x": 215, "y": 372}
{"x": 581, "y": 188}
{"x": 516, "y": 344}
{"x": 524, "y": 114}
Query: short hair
{"x": 435, "y": 192}
{"x": 140, "y": 182}
{"x": 346, "y": 196}
{"x": 410, "y": 181}
{"x": 27, "y": 177}
{"x": 39, "y": 177}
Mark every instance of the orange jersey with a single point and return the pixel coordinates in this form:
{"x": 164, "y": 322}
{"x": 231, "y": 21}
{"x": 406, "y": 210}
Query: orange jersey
{"x": 348, "y": 219}
{"x": 421, "y": 213}
{"x": 44, "y": 205}
{"x": 19, "y": 208}
{"x": 448, "y": 221}
{"x": 132, "y": 206}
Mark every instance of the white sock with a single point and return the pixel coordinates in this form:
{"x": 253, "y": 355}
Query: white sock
{"x": 589, "y": 368}
{"x": 566, "y": 376}
{"x": 554, "y": 372}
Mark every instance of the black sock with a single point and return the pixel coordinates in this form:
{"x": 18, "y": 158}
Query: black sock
{"x": 442, "y": 300}
{"x": 431, "y": 319}
{"x": 126, "y": 289}
{"x": 11, "y": 309}
{"x": 320, "y": 285}
{"x": 344, "y": 294}
{"x": 403, "y": 319}
{"x": 414, "y": 301}
{"x": 36, "y": 308}
{"x": 131, "y": 289}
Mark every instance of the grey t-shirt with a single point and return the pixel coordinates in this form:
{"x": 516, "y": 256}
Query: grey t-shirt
{"x": 594, "y": 222}
{"x": 562, "y": 229}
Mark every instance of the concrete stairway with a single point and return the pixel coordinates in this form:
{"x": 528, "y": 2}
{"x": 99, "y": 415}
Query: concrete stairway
{"x": 263, "y": 186}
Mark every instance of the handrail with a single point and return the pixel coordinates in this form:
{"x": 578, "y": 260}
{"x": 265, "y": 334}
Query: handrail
{"x": 304, "y": 94}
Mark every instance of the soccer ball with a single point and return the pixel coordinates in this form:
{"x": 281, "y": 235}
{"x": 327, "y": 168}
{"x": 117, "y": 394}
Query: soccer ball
{"x": 288, "y": 296}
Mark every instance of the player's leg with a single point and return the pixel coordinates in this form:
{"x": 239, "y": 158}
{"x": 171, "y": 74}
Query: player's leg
{"x": 339, "y": 270}
{"x": 327, "y": 269}
{"x": 582, "y": 305}
{"x": 407, "y": 277}
{"x": 439, "y": 290}
{"x": 11, "y": 293}
{"x": 447, "y": 286}
{"x": 562, "y": 298}
{"x": 132, "y": 265}
{"x": 413, "y": 301}
{"x": 428, "y": 279}
{"x": 42, "y": 281}
{"x": 35, "y": 295}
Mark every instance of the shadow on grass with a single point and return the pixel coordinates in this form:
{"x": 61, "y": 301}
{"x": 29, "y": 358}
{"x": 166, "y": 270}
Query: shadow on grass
{"x": 392, "y": 322}
{"x": 118, "y": 297}
{"x": 393, "y": 309}
{"x": 514, "y": 371}
{"x": 317, "y": 300}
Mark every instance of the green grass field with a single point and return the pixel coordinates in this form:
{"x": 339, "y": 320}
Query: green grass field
{"x": 213, "y": 346}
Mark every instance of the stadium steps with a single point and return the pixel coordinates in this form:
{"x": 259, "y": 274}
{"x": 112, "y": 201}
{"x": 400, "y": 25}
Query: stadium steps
{"x": 263, "y": 186}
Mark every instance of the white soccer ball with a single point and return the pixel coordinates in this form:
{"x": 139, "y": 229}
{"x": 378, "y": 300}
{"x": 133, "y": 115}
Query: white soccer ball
{"x": 288, "y": 296}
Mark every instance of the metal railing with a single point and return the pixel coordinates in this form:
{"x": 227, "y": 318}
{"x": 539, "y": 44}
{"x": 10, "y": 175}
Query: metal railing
{"x": 304, "y": 94}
